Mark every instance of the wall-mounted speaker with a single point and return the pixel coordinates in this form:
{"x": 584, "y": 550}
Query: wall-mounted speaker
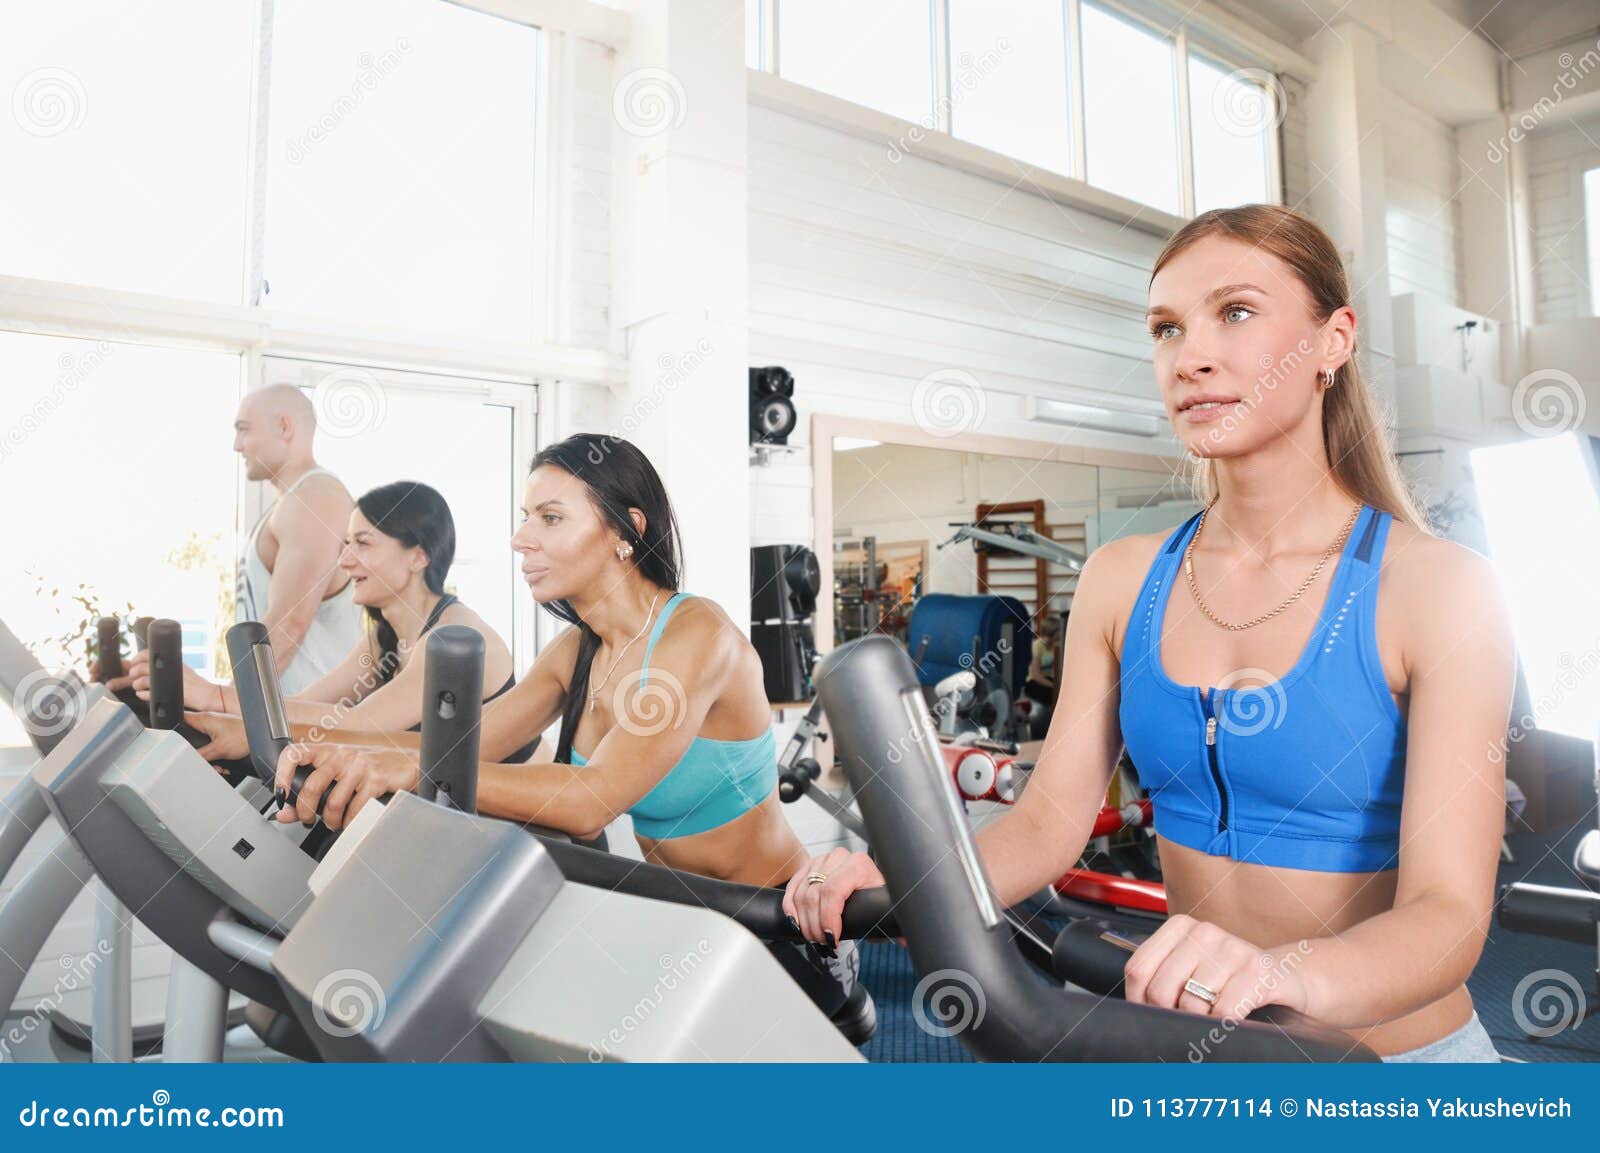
{"x": 772, "y": 415}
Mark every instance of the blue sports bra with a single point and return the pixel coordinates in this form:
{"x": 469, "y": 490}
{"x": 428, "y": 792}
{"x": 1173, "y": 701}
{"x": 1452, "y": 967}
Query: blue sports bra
{"x": 1307, "y": 772}
{"x": 713, "y": 782}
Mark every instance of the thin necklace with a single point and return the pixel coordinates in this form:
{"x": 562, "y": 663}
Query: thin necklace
{"x": 594, "y": 693}
{"x": 1188, "y": 568}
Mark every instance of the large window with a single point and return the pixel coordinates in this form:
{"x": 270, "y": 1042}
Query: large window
{"x": 118, "y": 467}
{"x": 124, "y": 154}
{"x": 1008, "y": 79}
{"x": 327, "y": 170}
{"x": 1130, "y": 111}
{"x": 1089, "y": 90}
{"x": 1232, "y": 115}
{"x": 878, "y": 54}
{"x": 400, "y": 166}
{"x": 377, "y": 426}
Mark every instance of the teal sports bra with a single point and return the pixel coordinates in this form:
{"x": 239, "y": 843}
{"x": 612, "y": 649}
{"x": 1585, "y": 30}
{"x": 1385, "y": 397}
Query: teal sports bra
{"x": 714, "y": 781}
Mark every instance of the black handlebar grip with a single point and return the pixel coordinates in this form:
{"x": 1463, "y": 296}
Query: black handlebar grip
{"x": 109, "y": 651}
{"x": 452, "y": 706}
{"x": 795, "y": 780}
{"x": 255, "y": 679}
{"x": 141, "y": 632}
{"x": 165, "y": 640}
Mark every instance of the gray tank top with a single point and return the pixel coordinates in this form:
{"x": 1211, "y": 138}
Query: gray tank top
{"x": 334, "y": 630}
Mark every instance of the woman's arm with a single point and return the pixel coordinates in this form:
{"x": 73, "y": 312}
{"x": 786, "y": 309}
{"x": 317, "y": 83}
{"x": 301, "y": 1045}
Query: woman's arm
{"x": 653, "y": 730}
{"x": 1460, "y": 659}
{"x": 1045, "y": 832}
{"x": 689, "y": 670}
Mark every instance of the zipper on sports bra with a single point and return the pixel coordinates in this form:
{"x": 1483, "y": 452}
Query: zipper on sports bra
{"x": 1211, "y": 755}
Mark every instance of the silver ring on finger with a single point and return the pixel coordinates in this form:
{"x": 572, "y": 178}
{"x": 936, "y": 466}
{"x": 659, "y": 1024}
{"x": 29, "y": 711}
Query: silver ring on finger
{"x": 816, "y": 878}
{"x": 1204, "y": 992}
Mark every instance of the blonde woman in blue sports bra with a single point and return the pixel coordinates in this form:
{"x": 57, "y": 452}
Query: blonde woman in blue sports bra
{"x": 661, "y": 698}
{"x": 1314, "y": 688}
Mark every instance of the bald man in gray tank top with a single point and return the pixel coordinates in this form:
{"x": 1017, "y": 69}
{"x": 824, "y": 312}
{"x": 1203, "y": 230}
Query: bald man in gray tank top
{"x": 289, "y": 577}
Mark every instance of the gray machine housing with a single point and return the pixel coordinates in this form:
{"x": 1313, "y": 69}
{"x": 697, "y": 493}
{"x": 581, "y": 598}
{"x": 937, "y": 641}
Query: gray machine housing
{"x": 174, "y": 904}
{"x": 480, "y": 950}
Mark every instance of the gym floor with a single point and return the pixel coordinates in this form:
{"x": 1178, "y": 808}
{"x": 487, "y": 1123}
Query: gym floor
{"x": 1507, "y": 959}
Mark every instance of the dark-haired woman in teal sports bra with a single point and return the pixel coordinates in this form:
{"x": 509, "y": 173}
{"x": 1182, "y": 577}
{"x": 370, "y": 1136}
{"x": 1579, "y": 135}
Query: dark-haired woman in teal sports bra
{"x": 664, "y": 715}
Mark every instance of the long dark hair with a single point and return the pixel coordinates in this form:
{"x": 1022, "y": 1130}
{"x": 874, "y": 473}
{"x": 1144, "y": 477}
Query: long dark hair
{"x": 418, "y": 517}
{"x": 618, "y": 477}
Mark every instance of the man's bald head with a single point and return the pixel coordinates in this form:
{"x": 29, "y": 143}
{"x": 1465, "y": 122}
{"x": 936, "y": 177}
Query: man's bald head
{"x": 274, "y": 431}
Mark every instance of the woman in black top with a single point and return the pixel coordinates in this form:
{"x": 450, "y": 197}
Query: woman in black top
{"x": 397, "y": 551}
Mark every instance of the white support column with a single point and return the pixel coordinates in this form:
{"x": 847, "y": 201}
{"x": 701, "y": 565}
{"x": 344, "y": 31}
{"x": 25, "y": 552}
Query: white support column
{"x": 682, "y": 285}
{"x": 1344, "y": 134}
{"x": 1496, "y": 235}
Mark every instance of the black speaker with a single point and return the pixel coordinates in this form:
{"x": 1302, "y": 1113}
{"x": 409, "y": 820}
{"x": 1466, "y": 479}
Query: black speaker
{"x": 787, "y": 654}
{"x": 784, "y": 582}
{"x": 772, "y": 415}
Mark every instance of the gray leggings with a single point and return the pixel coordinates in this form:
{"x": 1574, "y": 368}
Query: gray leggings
{"x": 1471, "y": 1042}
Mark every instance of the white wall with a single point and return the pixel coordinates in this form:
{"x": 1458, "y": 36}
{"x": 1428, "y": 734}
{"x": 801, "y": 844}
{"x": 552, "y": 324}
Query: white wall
{"x": 1557, "y": 155}
{"x": 867, "y": 275}
{"x": 1421, "y": 181}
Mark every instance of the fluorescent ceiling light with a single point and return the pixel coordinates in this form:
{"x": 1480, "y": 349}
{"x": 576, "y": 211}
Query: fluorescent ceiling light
{"x": 1052, "y": 411}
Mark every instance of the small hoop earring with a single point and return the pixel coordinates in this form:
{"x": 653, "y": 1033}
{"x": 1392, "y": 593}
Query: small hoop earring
{"x": 1327, "y": 379}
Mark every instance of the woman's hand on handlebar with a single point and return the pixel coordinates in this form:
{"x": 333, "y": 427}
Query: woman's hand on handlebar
{"x": 347, "y": 775}
{"x": 818, "y": 907}
{"x": 198, "y": 693}
{"x": 228, "y": 741}
{"x": 1243, "y": 975}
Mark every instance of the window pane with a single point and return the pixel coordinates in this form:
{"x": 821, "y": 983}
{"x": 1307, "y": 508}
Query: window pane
{"x": 1231, "y": 114}
{"x": 120, "y": 475}
{"x": 126, "y": 144}
{"x": 379, "y": 427}
{"x": 401, "y": 166}
{"x": 878, "y": 54}
{"x": 1131, "y": 134}
{"x": 1008, "y": 79}
{"x": 752, "y": 33}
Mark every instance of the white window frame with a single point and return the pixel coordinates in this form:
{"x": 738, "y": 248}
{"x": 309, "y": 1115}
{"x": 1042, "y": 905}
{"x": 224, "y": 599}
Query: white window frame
{"x": 511, "y": 371}
{"x": 1073, "y": 186}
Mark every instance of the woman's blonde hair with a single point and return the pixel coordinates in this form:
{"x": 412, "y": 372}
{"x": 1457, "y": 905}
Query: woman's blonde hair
{"x": 1352, "y": 428}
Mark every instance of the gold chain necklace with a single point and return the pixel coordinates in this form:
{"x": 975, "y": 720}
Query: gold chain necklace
{"x": 594, "y": 693}
{"x": 1188, "y": 568}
